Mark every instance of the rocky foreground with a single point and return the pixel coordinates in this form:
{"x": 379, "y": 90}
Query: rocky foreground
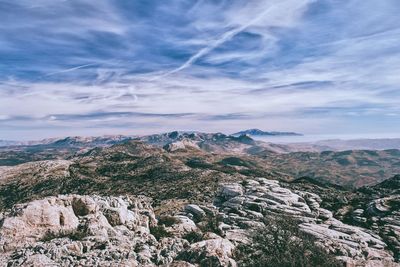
{"x": 75, "y": 230}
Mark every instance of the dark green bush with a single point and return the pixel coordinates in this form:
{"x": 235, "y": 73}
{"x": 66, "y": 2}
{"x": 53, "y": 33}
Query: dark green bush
{"x": 193, "y": 237}
{"x": 210, "y": 224}
{"x": 280, "y": 243}
{"x": 159, "y": 232}
{"x": 167, "y": 221}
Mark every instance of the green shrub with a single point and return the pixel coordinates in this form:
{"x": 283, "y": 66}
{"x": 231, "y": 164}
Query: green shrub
{"x": 280, "y": 243}
{"x": 159, "y": 232}
{"x": 167, "y": 221}
{"x": 210, "y": 224}
{"x": 193, "y": 237}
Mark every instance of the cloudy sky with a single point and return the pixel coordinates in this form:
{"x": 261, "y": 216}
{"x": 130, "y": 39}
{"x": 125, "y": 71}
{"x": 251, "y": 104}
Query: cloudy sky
{"x": 84, "y": 67}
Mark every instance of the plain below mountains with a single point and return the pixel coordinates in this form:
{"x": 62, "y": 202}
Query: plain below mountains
{"x": 354, "y": 144}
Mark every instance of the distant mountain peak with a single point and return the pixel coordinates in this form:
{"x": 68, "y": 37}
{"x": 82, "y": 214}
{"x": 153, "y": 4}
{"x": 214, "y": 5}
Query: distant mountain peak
{"x": 260, "y": 132}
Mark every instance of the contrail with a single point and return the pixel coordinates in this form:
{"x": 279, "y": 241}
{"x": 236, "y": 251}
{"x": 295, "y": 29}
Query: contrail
{"x": 71, "y": 69}
{"x": 225, "y": 37}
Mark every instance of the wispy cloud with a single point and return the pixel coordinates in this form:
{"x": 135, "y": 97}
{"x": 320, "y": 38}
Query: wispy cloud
{"x": 297, "y": 65}
{"x": 70, "y": 69}
{"x": 222, "y": 39}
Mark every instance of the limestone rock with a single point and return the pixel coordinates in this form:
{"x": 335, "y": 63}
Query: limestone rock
{"x": 245, "y": 207}
{"x": 212, "y": 252}
{"x": 181, "y": 264}
{"x": 83, "y": 205}
{"x": 39, "y": 260}
{"x": 28, "y": 223}
{"x": 82, "y": 230}
{"x": 70, "y": 230}
{"x": 197, "y": 212}
{"x": 229, "y": 191}
{"x": 183, "y": 226}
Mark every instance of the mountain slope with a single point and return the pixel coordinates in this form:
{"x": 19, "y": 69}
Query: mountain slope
{"x": 128, "y": 168}
{"x": 195, "y": 171}
{"x": 54, "y": 148}
{"x": 353, "y": 168}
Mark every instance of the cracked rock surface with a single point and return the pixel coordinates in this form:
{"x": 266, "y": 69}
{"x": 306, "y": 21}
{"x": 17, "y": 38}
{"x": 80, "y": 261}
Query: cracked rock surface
{"x": 260, "y": 198}
{"x": 76, "y": 230}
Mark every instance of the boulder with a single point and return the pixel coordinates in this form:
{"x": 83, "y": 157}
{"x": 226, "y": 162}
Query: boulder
{"x": 83, "y": 205}
{"x": 39, "y": 260}
{"x": 181, "y": 264}
{"x": 229, "y": 191}
{"x": 34, "y": 220}
{"x": 183, "y": 226}
{"x": 213, "y": 252}
{"x": 197, "y": 212}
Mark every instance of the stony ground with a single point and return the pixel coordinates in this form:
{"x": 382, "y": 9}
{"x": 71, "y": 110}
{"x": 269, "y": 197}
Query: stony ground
{"x": 204, "y": 198}
{"x": 75, "y": 230}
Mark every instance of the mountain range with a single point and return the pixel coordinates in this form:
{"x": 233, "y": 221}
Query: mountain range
{"x": 258, "y": 132}
{"x": 349, "y": 168}
{"x": 348, "y": 200}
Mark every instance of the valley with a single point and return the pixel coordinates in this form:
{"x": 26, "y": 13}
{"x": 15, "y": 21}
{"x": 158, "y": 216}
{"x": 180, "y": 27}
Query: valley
{"x": 358, "y": 188}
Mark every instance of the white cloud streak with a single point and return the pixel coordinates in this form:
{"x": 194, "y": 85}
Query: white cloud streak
{"x": 252, "y": 20}
{"x": 304, "y": 73}
{"x": 71, "y": 69}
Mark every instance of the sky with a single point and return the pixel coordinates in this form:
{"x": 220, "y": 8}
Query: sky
{"x": 84, "y": 67}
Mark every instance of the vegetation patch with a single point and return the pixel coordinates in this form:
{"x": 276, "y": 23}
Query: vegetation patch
{"x": 167, "y": 221}
{"x": 280, "y": 243}
{"x": 193, "y": 237}
{"x": 235, "y": 161}
{"x": 71, "y": 234}
{"x": 159, "y": 232}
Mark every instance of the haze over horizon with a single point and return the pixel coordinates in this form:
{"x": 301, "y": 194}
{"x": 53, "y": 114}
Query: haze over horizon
{"x": 80, "y": 67}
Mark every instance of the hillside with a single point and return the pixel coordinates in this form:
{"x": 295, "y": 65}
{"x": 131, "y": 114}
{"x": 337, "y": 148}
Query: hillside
{"x": 227, "y": 154}
{"x": 177, "y": 169}
{"x": 342, "y": 145}
{"x": 129, "y": 168}
{"x": 352, "y": 168}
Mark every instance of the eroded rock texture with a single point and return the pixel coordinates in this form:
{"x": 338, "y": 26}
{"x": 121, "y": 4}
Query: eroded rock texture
{"x": 243, "y": 207}
{"x": 75, "y": 230}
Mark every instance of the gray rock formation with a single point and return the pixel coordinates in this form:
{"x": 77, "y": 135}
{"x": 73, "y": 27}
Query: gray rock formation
{"x": 212, "y": 252}
{"x": 74, "y": 230}
{"x": 81, "y": 230}
{"x": 384, "y": 216}
{"x": 257, "y": 199}
{"x": 197, "y": 212}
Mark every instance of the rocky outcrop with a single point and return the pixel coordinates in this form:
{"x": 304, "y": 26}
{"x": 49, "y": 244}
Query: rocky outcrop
{"x": 181, "y": 145}
{"x": 80, "y": 230}
{"x": 377, "y": 208}
{"x": 75, "y": 230}
{"x": 257, "y": 199}
{"x": 243, "y": 207}
{"x": 26, "y": 224}
{"x": 212, "y": 252}
{"x": 195, "y": 210}
{"x": 382, "y": 215}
